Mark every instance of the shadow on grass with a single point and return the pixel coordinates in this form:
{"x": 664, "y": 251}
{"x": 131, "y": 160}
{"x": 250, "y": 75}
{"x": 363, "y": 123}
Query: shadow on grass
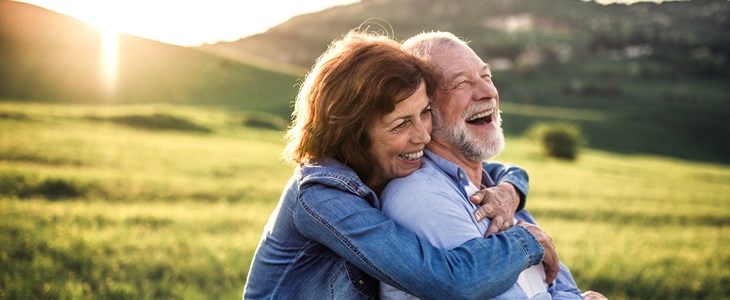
{"x": 156, "y": 122}
{"x": 263, "y": 120}
{"x": 15, "y": 185}
{"x": 635, "y": 218}
{"x": 13, "y": 116}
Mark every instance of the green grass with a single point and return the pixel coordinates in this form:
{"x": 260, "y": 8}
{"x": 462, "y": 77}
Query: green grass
{"x": 633, "y": 227}
{"x": 91, "y": 207}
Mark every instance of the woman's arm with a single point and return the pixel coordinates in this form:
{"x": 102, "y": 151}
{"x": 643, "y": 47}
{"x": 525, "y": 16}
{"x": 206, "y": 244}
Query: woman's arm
{"x": 348, "y": 225}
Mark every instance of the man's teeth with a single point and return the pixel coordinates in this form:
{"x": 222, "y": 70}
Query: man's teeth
{"x": 412, "y": 156}
{"x": 481, "y": 115}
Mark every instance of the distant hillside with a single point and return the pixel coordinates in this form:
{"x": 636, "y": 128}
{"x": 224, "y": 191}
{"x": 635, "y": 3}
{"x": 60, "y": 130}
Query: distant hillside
{"x": 514, "y": 32}
{"x": 640, "y": 78}
{"x": 45, "y": 56}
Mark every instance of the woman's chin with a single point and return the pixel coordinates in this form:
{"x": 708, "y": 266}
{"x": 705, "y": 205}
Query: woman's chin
{"x": 409, "y": 166}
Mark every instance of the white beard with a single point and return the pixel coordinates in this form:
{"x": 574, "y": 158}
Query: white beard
{"x": 471, "y": 146}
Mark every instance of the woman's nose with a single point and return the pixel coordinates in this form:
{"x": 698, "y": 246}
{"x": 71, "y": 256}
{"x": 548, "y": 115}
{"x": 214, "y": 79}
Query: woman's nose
{"x": 422, "y": 133}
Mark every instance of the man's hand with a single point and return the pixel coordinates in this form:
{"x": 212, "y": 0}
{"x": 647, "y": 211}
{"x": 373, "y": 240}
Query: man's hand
{"x": 550, "y": 260}
{"x": 592, "y": 295}
{"x": 498, "y": 204}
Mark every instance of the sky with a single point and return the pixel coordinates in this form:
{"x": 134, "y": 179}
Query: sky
{"x": 186, "y": 22}
{"x": 192, "y": 22}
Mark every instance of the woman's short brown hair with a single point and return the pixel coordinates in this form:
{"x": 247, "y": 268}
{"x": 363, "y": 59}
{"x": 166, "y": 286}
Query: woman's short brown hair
{"x": 358, "y": 79}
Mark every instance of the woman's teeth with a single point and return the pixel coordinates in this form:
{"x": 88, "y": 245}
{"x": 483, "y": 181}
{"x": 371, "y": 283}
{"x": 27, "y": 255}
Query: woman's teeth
{"x": 412, "y": 156}
{"x": 480, "y": 115}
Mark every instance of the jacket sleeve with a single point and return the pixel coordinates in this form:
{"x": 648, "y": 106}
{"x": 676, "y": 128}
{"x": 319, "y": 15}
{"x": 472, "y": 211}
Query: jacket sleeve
{"x": 348, "y": 225}
{"x": 511, "y": 174}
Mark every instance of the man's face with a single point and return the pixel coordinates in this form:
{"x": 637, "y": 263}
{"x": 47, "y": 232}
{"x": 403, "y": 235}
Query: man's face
{"x": 466, "y": 104}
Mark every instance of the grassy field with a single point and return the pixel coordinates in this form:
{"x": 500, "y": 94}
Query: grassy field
{"x": 160, "y": 201}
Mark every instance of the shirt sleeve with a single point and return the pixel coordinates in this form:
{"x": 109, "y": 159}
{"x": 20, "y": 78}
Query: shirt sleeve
{"x": 349, "y": 226}
{"x": 512, "y": 174}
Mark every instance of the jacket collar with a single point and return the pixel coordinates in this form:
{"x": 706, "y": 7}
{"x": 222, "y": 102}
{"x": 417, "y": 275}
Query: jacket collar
{"x": 333, "y": 173}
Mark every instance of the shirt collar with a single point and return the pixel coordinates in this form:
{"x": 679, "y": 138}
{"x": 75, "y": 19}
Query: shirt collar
{"x": 456, "y": 173}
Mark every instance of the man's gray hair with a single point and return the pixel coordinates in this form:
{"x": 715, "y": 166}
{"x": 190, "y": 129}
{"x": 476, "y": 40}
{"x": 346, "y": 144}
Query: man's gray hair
{"x": 422, "y": 44}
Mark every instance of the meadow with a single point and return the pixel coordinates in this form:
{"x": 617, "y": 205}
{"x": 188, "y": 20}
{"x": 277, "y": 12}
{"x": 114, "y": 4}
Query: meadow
{"x": 155, "y": 201}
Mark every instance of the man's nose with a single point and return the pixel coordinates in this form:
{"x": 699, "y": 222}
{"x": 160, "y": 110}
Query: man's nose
{"x": 485, "y": 89}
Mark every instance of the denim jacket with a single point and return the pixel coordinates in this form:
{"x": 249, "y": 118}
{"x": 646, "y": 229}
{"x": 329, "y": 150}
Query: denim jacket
{"x": 327, "y": 239}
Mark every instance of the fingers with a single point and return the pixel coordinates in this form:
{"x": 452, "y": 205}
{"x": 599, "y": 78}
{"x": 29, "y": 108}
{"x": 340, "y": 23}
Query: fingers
{"x": 495, "y": 203}
{"x": 493, "y": 227}
{"x": 484, "y": 211}
{"x": 550, "y": 261}
{"x": 498, "y": 224}
{"x": 478, "y": 197}
{"x": 592, "y": 295}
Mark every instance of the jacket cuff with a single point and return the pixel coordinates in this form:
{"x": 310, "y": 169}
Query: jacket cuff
{"x": 532, "y": 247}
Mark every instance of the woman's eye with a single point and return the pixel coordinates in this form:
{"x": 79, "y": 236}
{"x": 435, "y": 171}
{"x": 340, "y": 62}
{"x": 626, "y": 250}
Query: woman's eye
{"x": 427, "y": 112}
{"x": 400, "y": 126}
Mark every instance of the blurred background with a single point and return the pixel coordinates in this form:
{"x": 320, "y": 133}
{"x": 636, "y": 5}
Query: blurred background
{"x": 140, "y": 141}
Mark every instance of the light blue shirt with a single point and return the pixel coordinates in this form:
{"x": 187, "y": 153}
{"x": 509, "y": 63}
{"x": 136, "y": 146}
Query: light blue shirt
{"x": 433, "y": 203}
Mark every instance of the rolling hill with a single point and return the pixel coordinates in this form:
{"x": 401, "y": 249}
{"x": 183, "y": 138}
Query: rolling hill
{"x": 641, "y": 78}
{"x": 508, "y": 31}
{"x": 49, "y": 57}
{"x": 638, "y": 79}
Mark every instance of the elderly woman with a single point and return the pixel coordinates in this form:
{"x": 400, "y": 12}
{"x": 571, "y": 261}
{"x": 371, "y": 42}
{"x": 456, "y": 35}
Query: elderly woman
{"x": 362, "y": 118}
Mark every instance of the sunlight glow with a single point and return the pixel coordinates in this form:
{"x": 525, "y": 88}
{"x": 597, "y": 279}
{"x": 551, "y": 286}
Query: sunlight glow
{"x": 109, "y": 60}
{"x": 186, "y": 23}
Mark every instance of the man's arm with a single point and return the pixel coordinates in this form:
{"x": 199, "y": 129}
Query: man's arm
{"x": 500, "y": 202}
{"x": 509, "y": 173}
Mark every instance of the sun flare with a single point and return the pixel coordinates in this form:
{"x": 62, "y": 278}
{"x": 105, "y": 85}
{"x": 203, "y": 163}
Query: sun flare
{"x": 109, "y": 60}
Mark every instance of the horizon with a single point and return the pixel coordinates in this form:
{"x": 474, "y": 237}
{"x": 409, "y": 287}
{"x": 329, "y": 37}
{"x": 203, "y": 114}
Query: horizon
{"x": 213, "y": 21}
{"x": 220, "y": 21}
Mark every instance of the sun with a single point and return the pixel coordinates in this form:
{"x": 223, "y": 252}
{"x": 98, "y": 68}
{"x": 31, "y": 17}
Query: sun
{"x": 109, "y": 60}
{"x": 106, "y": 17}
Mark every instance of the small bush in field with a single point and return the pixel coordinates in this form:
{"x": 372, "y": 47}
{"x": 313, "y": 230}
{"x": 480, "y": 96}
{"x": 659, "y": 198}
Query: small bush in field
{"x": 559, "y": 140}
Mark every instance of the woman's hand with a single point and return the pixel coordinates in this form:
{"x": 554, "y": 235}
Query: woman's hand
{"x": 550, "y": 260}
{"x": 497, "y": 203}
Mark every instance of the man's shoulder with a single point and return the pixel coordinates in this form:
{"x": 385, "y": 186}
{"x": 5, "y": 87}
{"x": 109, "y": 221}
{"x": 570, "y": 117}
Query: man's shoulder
{"x": 426, "y": 186}
{"x": 426, "y": 176}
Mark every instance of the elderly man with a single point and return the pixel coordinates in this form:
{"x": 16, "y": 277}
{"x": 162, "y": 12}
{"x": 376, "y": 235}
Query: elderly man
{"x": 434, "y": 202}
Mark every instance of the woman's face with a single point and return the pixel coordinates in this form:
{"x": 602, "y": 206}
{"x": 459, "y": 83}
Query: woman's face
{"x": 399, "y": 137}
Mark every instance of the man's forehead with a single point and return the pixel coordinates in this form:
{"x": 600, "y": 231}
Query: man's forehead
{"x": 453, "y": 71}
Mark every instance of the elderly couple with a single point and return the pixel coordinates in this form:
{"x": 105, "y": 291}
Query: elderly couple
{"x": 390, "y": 197}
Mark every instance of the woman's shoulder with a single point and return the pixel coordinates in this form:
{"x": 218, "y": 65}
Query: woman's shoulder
{"x": 331, "y": 173}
